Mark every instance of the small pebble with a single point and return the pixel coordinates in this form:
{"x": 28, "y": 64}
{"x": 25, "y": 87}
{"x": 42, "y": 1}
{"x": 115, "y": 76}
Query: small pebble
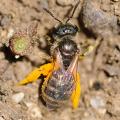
{"x": 65, "y": 2}
{"x": 2, "y": 56}
{"x": 102, "y": 111}
{"x": 89, "y": 118}
{"x": 112, "y": 70}
{"x": 34, "y": 110}
{"x": 3, "y": 64}
{"x": 18, "y": 97}
{"x": 10, "y": 33}
{"x": 1, "y": 118}
{"x": 97, "y": 102}
{"x": 115, "y": 0}
{"x": 17, "y": 56}
{"x": 6, "y": 20}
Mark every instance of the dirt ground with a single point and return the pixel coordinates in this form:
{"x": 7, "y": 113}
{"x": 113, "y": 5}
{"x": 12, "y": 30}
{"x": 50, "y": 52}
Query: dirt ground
{"x": 98, "y": 20}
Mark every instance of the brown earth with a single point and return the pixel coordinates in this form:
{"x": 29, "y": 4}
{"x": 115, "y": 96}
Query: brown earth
{"x": 98, "y": 20}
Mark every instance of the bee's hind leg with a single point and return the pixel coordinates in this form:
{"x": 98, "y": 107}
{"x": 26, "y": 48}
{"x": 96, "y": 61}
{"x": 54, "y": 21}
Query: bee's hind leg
{"x": 35, "y": 74}
{"x": 76, "y": 93}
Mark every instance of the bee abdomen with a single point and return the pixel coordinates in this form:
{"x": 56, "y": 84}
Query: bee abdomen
{"x": 59, "y": 88}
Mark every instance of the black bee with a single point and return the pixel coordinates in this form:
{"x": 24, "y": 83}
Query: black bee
{"x": 62, "y": 82}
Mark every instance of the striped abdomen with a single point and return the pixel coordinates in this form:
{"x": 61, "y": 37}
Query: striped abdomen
{"x": 58, "y": 89}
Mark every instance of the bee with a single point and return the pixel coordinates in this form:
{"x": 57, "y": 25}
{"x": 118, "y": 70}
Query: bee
{"x": 62, "y": 80}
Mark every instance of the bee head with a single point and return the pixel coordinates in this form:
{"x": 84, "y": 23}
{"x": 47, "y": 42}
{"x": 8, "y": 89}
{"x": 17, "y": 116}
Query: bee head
{"x": 65, "y": 29}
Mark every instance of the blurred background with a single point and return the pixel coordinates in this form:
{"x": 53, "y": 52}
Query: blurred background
{"x": 98, "y": 21}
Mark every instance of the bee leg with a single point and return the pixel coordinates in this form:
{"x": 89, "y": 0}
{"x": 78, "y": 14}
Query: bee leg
{"x": 86, "y": 52}
{"x": 89, "y": 49}
{"x": 76, "y": 93}
{"x": 33, "y": 76}
{"x": 46, "y": 79}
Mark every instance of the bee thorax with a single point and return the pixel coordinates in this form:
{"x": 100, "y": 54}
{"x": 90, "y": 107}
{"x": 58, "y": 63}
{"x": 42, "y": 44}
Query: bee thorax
{"x": 68, "y": 49}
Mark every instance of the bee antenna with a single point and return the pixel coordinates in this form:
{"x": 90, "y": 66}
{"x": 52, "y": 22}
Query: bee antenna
{"x": 52, "y": 15}
{"x": 75, "y": 7}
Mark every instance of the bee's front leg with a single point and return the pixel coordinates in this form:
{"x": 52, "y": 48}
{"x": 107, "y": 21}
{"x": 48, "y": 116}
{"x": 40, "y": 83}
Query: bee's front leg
{"x": 77, "y": 92}
{"x": 35, "y": 74}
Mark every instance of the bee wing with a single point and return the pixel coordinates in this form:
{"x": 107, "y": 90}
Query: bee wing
{"x": 73, "y": 66}
{"x": 58, "y": 62}
{"x": 77, "y": 90}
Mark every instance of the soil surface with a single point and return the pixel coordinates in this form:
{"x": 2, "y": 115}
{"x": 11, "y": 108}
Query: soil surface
{"x": 98, "y": 21}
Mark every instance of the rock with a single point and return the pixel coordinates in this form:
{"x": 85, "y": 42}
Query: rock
{"x": 1, "y": 118}
{"x": 18, "y": 97}
{"x": 21, "y": 69}
{"x": 11, "y": 31}
{"x": 113, "y": 105}
{"x": 97, "y": 102}
{"x": 38, "y": 56}
{"x": 8, "y": 74}
{"x": 65, "y": 2}
{"x": 3, "y": 65}
{"x": 105, "y": 5}
{"x": 89, "y": 118}
{"x": 115, "y": 0}
{"x": 2, "y": 55}
{"x": 111, "y": 70}
{"x": 102, "y": 111}
{"x": 100, "y": 23}
{"x": 34, "y": 110}
{"x": 6, "y": 19}
{"x": 10, "y": 112}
